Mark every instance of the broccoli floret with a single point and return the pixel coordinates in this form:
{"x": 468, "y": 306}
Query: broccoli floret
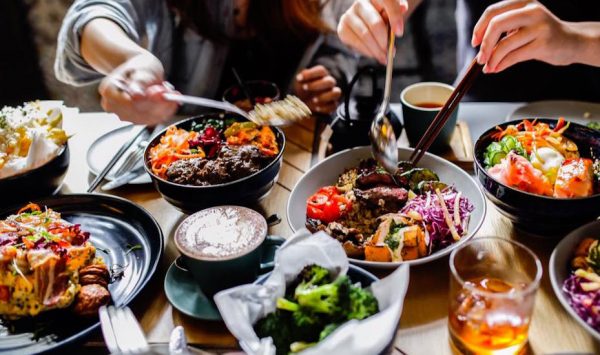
{"x": 287, "y": 305}
{"x": 305, "y": 322}
{"x": 313, "y": 276}
{"x": 326, "y": 298}
{"x": 279, "y": 326}
{"x": 362, "y": 304}
{"x": 298, "y": 346}
{"x": 330, "y": 328}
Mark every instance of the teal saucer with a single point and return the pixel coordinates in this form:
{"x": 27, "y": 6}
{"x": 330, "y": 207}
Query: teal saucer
{"x": 186, "y": 296}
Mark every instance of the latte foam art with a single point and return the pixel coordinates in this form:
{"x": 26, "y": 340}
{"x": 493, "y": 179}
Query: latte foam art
{"x": 221, "y": 232}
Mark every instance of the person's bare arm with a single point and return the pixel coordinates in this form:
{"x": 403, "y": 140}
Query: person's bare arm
{"x": 108, "y": 50}
{"x": 588, "y": 46}
{"x": 105, "y": 46}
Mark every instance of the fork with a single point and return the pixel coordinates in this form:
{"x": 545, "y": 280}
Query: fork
{"x": 132, "y": 159}
{"x": 122, "y": 332}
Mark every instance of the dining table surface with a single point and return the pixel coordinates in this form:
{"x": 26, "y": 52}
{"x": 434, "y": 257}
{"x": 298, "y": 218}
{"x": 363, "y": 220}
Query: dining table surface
{"x": 423, "y": 325}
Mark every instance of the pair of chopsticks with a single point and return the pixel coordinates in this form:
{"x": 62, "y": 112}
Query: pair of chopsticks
{"x": 125, "y": 147}
{"x": 441, "y": 118}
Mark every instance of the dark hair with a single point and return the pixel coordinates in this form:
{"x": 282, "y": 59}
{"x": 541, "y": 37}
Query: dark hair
{"x": 276, "y": 19}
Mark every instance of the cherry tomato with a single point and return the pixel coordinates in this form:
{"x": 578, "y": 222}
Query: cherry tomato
{"x": 327, "y": 205}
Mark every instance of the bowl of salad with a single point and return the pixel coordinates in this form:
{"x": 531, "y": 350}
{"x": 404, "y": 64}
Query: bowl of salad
{"x": 382, "y": 220}
{"x": 542, "y": 174}
{"x": 575, "y": 276}
{"x": 34, "y": 152}
{"x": 214, "y": 159}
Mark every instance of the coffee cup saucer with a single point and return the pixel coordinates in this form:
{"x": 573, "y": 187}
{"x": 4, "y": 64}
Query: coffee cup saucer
{"x": 184, "y": 293}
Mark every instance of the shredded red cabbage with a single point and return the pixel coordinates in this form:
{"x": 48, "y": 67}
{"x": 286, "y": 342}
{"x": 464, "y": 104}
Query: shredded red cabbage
{"x": 585, "y": 303}
{"x": 428, "y": 206}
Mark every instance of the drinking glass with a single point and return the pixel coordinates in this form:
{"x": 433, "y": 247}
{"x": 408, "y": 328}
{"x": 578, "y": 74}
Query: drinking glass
{"x": 492, "y": 292}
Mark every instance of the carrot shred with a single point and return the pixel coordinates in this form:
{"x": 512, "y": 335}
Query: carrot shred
{"x": 174, "y": 145}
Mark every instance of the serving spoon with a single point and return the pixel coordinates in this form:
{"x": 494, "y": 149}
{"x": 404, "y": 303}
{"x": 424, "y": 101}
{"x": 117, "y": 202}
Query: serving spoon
{"x": 276, "y": 113}
{"x": 383, "y": 139}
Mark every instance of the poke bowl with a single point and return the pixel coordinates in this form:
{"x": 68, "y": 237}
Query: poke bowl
{"x": 570, "y": 270}
{"x": 383, "y": 222}
{"x": 541, "y": 174}
{"x": 194, "y": 166}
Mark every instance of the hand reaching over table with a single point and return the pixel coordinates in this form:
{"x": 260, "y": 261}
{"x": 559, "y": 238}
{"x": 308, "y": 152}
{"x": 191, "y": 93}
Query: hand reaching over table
{"x": 318, "y": 89}
{"x": 142, "y": 102}
{"x": 532, "y": 32}
{"x": 364, "y": 26}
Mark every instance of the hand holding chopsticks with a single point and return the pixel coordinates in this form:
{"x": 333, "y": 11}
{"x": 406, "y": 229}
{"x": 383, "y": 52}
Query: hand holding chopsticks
{"x": 442, "y": 117}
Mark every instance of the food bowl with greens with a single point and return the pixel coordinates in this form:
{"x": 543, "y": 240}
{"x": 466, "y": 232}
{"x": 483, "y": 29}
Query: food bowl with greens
{"x": 542, "y": 174}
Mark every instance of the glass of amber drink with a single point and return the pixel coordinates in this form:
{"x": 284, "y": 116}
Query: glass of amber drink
{"x": 492, "y": 291}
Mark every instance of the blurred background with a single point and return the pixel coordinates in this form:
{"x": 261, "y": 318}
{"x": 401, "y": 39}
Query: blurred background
{"x": 29, "y": 28}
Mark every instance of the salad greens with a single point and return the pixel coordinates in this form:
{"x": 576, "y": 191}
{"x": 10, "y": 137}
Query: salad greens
{"x": 594, "y": 125}
{"x": 313, "y": 309}
{"x": 496, "y": 151}
{"x": 216, "y": 123}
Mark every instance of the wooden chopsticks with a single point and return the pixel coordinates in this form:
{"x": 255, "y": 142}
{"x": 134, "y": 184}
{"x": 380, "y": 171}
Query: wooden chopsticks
{"x": 441, "y": 118}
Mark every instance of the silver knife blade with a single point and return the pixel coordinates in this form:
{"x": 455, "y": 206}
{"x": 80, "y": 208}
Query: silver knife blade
{"x": 124, "y": 179}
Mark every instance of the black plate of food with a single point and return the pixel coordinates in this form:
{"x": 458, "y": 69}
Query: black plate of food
{"x": 542, "y": 174}
{"x": 383, "y": 222}
{"x": 214, "y": 159}
{"x": 63, "y": 257}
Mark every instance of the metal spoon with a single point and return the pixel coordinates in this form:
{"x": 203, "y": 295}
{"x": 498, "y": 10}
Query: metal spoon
{"x": 383, "y": 138}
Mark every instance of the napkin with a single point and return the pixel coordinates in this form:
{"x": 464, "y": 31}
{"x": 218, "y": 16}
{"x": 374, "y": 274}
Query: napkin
{"x": 242, "y": 306}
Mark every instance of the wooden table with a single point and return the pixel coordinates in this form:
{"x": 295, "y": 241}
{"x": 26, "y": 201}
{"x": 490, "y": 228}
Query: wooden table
{"x": 423, "y": 324}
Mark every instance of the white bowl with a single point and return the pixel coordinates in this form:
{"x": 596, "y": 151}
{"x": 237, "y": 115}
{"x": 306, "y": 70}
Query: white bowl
{"x": 559, "y": 267}
{"x": 326, "y": 173}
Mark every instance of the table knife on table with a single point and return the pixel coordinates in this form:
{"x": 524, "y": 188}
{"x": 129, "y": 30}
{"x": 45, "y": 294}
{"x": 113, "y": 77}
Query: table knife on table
{"x": 124, "y": 179}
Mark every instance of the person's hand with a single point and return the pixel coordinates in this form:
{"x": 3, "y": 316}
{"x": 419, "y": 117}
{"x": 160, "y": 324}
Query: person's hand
{"x": 318, "y": 89}
{"x": 364, "y": 26}
{"x": 134, "y": 91}
{"x": 532, "y": 32}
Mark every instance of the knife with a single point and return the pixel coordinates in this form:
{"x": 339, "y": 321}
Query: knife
{"x": 124, "y": 179}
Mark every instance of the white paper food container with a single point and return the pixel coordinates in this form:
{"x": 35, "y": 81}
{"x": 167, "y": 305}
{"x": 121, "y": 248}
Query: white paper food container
{"x": 242, "y": 306}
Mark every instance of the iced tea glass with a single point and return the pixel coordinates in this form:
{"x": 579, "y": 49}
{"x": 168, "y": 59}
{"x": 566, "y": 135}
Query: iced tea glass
{"x": 492, "y": 292}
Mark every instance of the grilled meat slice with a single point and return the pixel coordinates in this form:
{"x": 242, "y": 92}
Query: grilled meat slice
{"x": 389, "y": 198}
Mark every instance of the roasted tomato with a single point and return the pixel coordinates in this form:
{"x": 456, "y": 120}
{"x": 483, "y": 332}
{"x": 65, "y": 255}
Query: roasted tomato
{"x": 327, "y": 205}
{"x": 4, "y": 293}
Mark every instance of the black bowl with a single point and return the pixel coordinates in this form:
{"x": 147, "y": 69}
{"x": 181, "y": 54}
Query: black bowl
{"x": 538, "y": 214}
{"x": 244, "y": 191}
{"x": 40, "y": 182}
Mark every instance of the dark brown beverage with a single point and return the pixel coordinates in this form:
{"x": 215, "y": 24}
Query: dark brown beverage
{"x": 429, "y": 105}
{"x": 221, "y": 233}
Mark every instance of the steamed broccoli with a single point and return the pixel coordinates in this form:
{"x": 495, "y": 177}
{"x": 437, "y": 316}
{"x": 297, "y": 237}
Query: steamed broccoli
{"x": 279, "y": 327}
{"x": 313, "y": 276}
{"x": 314, "y": 306}
{"x": 330, "y": 328}
{"x": 326, "y": 298}
{"x": 362, "y": 304}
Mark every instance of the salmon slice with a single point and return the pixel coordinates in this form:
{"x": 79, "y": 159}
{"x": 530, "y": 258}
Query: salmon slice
{"x": 575, "y": 178}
